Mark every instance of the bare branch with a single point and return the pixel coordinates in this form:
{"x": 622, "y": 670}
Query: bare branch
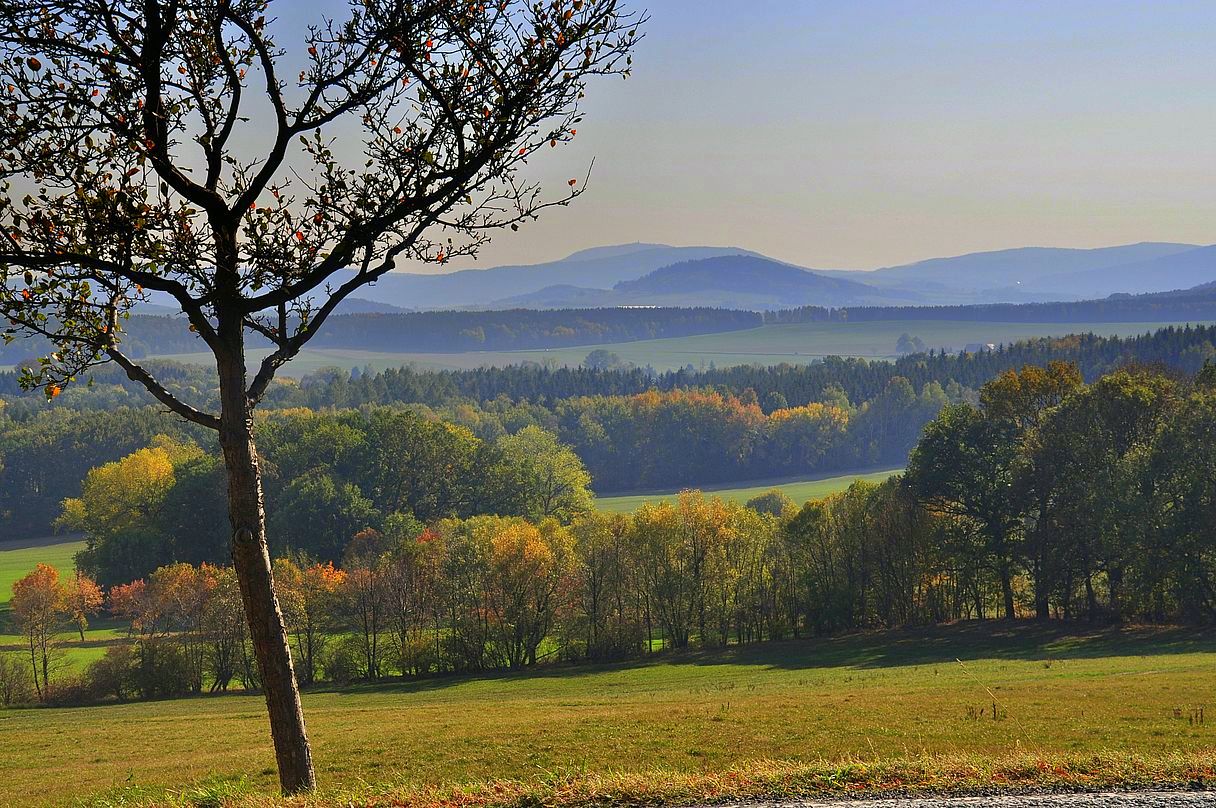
{"x": 137, "y": 374}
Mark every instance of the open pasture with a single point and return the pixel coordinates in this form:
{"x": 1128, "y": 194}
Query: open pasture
{"x": 771, "y": 344}
{"x": 800, "y": 490}
{"x": 1059, "y": 694}
{"x": 19, "y": 558}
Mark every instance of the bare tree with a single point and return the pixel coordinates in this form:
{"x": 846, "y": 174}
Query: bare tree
{"x": 176, "y": 147}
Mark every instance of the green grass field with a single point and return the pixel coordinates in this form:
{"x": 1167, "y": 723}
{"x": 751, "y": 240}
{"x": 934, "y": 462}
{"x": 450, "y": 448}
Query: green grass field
{"x": 799, "y": 344}
{"x": 15, "y": 563}
{"x": 799, "y": 490}
{"x": 876, "y": 700}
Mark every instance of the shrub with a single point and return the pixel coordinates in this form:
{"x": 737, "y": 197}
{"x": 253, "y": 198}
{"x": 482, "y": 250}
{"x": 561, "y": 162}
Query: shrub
{"x": 343, "y": 661}
{"x": 419, "y": 656}
{"x": 72, "y": 691}
{"x": 15, "y": 684}
{"x": 161, "y": 670}
{"x": 115, "y": 673}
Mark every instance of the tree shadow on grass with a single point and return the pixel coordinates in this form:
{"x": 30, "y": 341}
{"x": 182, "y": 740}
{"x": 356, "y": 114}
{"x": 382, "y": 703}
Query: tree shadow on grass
{"x": 1002, "y": 640}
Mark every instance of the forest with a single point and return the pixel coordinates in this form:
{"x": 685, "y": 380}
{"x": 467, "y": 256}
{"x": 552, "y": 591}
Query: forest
{"x": 1193, "y": 305}
{"x": 1046, "y": 497}
{"x": 631, "y": 430}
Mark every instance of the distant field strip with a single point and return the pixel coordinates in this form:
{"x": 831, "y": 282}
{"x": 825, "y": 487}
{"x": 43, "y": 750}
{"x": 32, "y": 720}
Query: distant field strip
{"x": 771, "y": 344}
{"x": 800, "y": 490}
{"x": 15, "y": 563}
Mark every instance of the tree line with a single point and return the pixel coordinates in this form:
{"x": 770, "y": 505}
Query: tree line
{"x": 1185, "y": 348}
{"x": 147, "y": 335}
{"x": 439, "y": 331}
{"x": 1189, "y": 305}
{"x": 328, "y": 477}
{"x": 1048, "y": 498}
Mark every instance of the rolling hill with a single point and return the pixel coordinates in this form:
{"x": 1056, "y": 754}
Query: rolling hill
{"x": 750, "y": 281}
{"x": 728, "y": 281}
{"x": 1184, "y": 270}
{"x": 1027, "y": 274}
{"x": 597, "y": 268}
{"x": 728, "y": 277}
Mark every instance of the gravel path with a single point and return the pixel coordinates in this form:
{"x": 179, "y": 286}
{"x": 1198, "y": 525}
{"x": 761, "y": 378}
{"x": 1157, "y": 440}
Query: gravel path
{"x": 1143, "y": 799}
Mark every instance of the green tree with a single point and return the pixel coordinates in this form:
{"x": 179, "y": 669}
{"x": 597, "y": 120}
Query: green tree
{"x": 965, "y": 466}
{"x": 419, "y": 466}
{"x": 1094, "y": 446}
{"x": 319, "y": 515}
{"x": 535, "y": 476}
{"x": 605, "y": 588}
{"x": 1025, "y": 398}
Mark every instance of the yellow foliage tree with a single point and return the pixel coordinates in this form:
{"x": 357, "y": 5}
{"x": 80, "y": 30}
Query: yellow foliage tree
{"x": 125, "y": 493}
{"x": 528, "y": 566}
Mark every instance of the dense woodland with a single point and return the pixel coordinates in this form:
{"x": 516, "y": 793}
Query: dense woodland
{"x": 631, "y": 430}
{"x": 1046, "y": 498}
{"x": 1193, "y": 305}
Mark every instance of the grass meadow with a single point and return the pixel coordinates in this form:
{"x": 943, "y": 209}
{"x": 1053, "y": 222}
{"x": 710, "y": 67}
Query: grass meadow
{"x": 772, "y": 344}
{"x": 18, "y": 559}
{"x": 800, "y": 490}
{"x": 15, "y": 563}
{"x": 893, "y": 710}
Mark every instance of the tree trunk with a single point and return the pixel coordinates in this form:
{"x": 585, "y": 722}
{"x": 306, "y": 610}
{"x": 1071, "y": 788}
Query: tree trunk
{"x": 251, "y": 559}
{"x": 1007, "y": 591}
{"x": 1114, "y": 577}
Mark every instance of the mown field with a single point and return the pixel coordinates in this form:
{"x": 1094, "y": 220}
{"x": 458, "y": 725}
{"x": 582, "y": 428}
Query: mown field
{"x": 21, "y": 557}
{"x": 799, "y": 490}
{"x": 799, "y": 343}
{"x": 15, "y": 563}
{"x": 845, "y": 706}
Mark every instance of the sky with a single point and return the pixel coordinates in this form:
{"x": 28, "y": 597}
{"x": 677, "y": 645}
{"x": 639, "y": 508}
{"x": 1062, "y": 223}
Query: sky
{"x": 860, "y": 134}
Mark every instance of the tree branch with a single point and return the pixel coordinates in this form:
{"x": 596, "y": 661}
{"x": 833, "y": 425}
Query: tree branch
{"x": 137, "y": 374}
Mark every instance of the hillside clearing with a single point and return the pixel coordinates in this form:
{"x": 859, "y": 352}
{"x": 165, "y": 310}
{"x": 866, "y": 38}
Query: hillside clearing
{"x": 16, "y": 562}
{"x": 799, "y": 490}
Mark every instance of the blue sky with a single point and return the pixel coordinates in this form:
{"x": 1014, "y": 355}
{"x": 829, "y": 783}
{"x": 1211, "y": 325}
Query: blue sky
{"x": 861, "y": 134}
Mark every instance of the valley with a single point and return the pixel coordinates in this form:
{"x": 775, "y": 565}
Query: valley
{"x": 797, "y": 344}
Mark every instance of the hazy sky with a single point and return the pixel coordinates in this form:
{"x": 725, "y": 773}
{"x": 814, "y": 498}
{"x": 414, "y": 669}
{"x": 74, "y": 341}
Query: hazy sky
{"x": 859, "y": 134}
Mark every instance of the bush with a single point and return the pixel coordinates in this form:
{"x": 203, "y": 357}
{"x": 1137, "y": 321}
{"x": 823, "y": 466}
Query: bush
{"x": 343, "y": 661}
{"x": 161, "y": 670}
{"x": 114, "y": 674}
{"x": 15, "y": 684}
{"x": 72, "y": 691}
{"x": 418, "y": 657}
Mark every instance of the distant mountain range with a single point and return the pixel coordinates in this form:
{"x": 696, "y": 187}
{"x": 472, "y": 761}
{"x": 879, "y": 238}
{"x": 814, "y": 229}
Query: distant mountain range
{"x": 598, "y": 268}
{"x": 1020, "y": 275}
{"x": 731, "y": 277}
{"x": 725, "y": 281}
{"x": 660, "y": 275}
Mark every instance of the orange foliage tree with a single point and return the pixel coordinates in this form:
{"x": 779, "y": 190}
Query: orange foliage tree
{"x": 84, "y": 598}
{"x": 40, "y": 605}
